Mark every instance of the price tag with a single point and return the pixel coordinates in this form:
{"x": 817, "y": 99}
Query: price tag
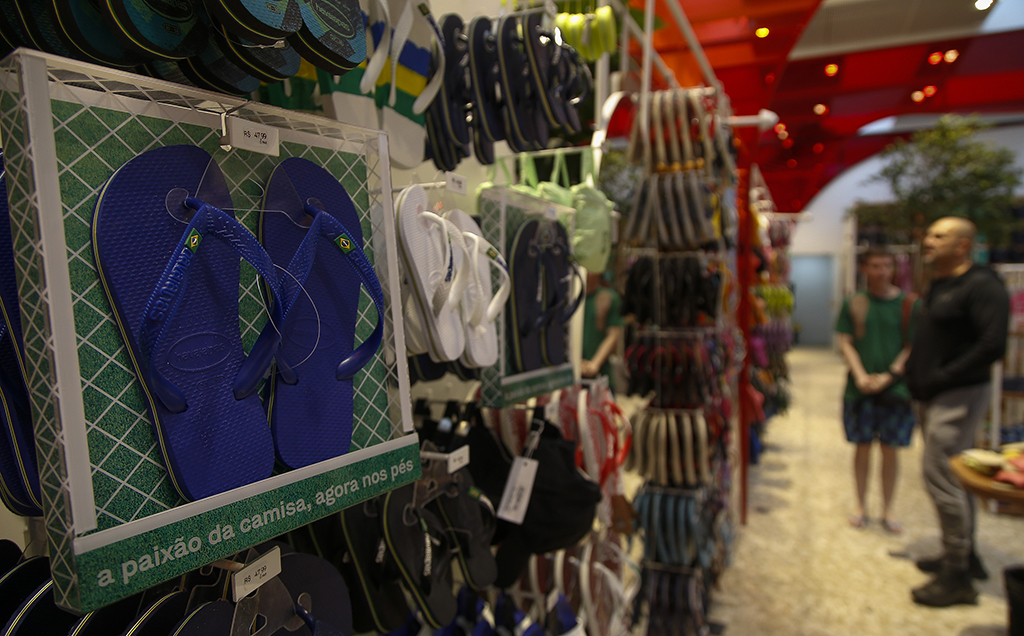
{"x": 552, "y": 214}
{"x": 458, "y": 459}
{"x": 249, "y": 135}
{"x": 251, "y": 577}
{"x": 455, "y": 183}
{"x": 551, "y": 411}
{"x": 516, "y": 498}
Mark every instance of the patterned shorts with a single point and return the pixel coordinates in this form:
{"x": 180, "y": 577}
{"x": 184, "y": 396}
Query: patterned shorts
{"x": 866, "y": 420}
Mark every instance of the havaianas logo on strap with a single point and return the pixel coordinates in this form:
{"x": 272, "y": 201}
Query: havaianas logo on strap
{"x": 193, "y": 240}
{"x": 492, "y": 253}
{"x": 344, "y": 243}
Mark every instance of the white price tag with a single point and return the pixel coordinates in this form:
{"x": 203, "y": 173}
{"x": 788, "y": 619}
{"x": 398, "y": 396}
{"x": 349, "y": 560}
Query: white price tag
{"x": 551, "y": 411}
{"x": 455, "y": 183}
{"x": 458, "y": 459}
{"x": 552, "y": 214}
{"x": 516, "y": 498}
{"x": 251, "y": 577}
{"x": 249, "y": 135}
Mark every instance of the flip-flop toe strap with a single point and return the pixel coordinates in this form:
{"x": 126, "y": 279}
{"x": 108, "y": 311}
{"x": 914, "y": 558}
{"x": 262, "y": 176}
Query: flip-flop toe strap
{"x": 327, "y": 226}
{"x": 208, "y": 221}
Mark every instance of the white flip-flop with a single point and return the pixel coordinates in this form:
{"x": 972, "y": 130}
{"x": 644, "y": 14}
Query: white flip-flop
{"x": 688, "y": 450}
{"x": 700, "y": 428}
{"x": 427, "y": 246}
{"x": 480, "y": 306}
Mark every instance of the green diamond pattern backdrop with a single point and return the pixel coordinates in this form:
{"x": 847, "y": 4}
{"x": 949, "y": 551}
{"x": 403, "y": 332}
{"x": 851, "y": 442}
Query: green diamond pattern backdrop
{"x": 128, "y": 476}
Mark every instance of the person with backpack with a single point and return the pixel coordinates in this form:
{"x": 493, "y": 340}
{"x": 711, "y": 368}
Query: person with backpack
{"x": 875, "y": 328}
{"x": 962, "y": 331}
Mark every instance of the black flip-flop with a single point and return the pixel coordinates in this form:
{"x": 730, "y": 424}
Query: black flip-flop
{"x": 80, "y": 25}
{"x": 268, "y": 63}
{"x": 111, "y": 619}
{"x": 332, "y": 36}
{"x": 377, "y": 599}
{"x": 38, "y": 614}
{"x": 454, "y": 94}
{"x": 544, "y": 58}
{"x": 519, "y": 118}
{"x": 419, "y": 545}
{"x": 560, "y": 269}
{"x": 165, "y": 30}
{"x": 311, "y": 577}
{"x": 470, "y": 520}
{"x": 259, "y": 21}
{"x": 155, "y": 619}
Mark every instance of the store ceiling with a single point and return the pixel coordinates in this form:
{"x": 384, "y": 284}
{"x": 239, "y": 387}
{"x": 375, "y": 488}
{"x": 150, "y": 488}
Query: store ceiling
{"x": 880, "y": 49}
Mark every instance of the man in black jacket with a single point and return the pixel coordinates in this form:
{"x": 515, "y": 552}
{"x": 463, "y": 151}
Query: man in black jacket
{"x": 961, "y": 331}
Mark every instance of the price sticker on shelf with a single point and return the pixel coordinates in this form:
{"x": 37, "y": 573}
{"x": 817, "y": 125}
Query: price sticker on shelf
{"x": 455, "y": 183}
{"x": 249, "y": 135}
{"x": 252, "y": 576}
{"x": 516, "y": 497}
{"x": 458, "y": 459}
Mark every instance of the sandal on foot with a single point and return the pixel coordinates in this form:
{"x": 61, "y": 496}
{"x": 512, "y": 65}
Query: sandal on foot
{"x": 858, "y": 521}
{"x": 892, "y": 527}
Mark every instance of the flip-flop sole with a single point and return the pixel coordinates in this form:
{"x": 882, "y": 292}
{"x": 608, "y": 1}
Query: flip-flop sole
{"x": 332, "y": 34}
{"x": 472, "y": 524}
{"x": 307, "y": 575}
{"x": 261, "y": 21}
{"x": 378, "y": 602}
{"x": 484, "y": 75}
{"x": 19, "y": 583}
{"x": 218, "y": 442}
{"x": 81, "y": 26}
{"x": 312, "y": 419}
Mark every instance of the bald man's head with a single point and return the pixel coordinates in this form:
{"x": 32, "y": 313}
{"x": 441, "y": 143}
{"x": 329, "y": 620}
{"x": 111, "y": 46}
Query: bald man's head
{"x": 948, "y": 243}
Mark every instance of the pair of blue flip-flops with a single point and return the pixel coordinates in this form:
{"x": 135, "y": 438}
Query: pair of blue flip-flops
{"x": 167, "y": 248}
{"x": 19, "y": 478}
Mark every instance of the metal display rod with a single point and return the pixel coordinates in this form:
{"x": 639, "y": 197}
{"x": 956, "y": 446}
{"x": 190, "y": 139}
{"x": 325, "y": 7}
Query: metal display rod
{"x": 639, "y": 34}
{"x": 691, "y": 40}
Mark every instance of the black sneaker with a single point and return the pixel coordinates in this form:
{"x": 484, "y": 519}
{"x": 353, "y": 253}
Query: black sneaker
{"x": 947, "y": 588}
{"x": 975, "y": 567}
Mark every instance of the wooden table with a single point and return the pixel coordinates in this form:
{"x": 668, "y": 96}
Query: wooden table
{"x": 982, "y": 486}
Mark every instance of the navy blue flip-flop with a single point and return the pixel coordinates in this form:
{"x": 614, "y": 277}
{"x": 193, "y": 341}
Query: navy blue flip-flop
{"x": 560, "y": 270}
{"x": 19, "y": 583}
{"x": 268, "y": 63}
{"x": 209, "y": 619}
{"x": 519, "y": 122}
{"x": 454, "y": 94}
{"x": 19, "y": 477}
{"x": 311, "y": 577}
{"x": 309, "y": 222}
{"x": 485, "y": 76}
{"x": 378, "y": 602}
{"x": 39, "y": 615}
{"x": 107, "y": 620}
{"x": 543, "y": 69}
{"x": 167, "y": 250}
{"x": 525, "y": 315}
{"x": 158, "y": 615}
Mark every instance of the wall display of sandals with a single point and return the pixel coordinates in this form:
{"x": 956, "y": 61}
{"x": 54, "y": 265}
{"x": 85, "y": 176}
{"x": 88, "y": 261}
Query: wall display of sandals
{"x": 200, "y": 341}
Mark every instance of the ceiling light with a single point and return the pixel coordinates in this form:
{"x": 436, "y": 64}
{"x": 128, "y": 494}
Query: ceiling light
{"x": 783, "y": 135}
{"x": 762, "y": 32}
{"x": 930, "y": 91}
{"x": 831, "y": 69}
{"x": 982, "y": 5}
{"x": 787, "y": 143}
{"x": 780, "y": 128}
{"x": 820, "y": 109}
{"x": 917, "y": 96}
{"x": 818, "y": 148}
{"x": 935, "y": 58}
{"x": 951, "y": 56}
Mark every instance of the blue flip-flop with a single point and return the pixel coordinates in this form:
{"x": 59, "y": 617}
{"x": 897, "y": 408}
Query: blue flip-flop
{"x": 39, "y": 615}
{"x": 454, "y": 94}
{"x": 526, "y": 317}
{"x": 520, "y": 125}
{"x": 19, "y": 477}
{"x": 167, "y": 250}
{"x": 309, "y": 222}
{"x": 485, "y": 76}
{"x": 560, "y": 269}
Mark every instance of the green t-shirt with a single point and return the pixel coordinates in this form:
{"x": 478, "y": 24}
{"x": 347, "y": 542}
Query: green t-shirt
{"x": 592, "y": 336}
{"x": 882, "y": 341}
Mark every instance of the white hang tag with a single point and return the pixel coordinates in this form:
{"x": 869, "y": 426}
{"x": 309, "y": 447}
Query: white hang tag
{"x": 552, "y": 213}
{"x": 252, "y": 136}
{"x": 516, "y": 497}
{"x": 252, "y": 576}
{"x": 458, "y": 459}
{"x": 455, "y": 183}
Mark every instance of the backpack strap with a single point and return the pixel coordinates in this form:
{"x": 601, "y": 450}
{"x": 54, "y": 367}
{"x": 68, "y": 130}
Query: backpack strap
{"x": 859, "y": 305}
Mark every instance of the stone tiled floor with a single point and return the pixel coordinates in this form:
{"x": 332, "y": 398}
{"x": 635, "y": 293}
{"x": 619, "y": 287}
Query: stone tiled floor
{"x": 799, "y": 569}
